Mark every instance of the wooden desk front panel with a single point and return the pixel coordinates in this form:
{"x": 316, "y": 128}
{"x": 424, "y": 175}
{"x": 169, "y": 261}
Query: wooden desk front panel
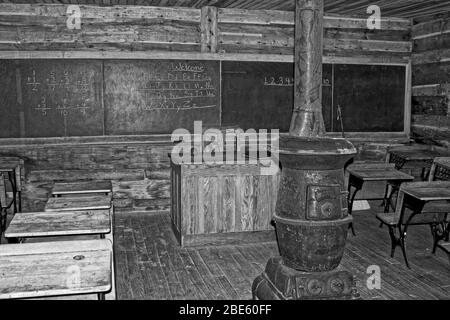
{"x": 221, "y": 199}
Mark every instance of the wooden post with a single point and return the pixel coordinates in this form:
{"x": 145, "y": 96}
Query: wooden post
{"x": 307, "y": 119}
{"x": 209, "y": 29}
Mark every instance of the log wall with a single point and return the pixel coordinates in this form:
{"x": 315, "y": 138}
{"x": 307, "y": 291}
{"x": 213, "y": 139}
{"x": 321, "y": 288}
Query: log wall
{"x": 431, "y": 81}
{"x": 139, "y": 166}
{"x": 109, "y": 31}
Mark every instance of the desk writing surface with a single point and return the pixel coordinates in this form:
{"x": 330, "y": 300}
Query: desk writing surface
{"x": 417, "y": 155}
{"x": 63, "y": 223}
{"x": 82, "y": 187}
{"x": 42, "y": 269}
{"x": 428, "y": 191}
{"x": 388, "y": 174}
{"x": 7, "y": 167}
{"x": 78, "y": 203}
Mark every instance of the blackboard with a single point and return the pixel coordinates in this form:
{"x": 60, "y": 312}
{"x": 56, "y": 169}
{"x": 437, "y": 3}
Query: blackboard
{"x": 260, "y": 95}
{"x": 9, "y": 116}
{"x": 148, "y": 97}
{"x": 372, "y": 98}
{"x": 59, "y": 98}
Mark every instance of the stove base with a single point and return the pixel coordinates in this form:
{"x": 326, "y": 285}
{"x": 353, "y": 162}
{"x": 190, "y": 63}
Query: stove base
{"x": 279, "y": 282}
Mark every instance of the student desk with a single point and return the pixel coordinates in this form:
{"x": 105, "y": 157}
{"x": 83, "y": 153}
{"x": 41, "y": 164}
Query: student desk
{"x": 414, "y": 155}
{"x": 79, "y": 203}
{"x": 55, "y": 268}
{"x": 10, "y": 170}
{"x": 361, "y": 173}
{"x": 440, "y": 170}
{"x": 59, "y": 223}
{"x": 85, "y": 203}
{"x": 414, "y": 196}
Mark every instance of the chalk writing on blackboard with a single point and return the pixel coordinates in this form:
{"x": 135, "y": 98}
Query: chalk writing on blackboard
{"x": 31, "y": 81}
{"x": 63, "y": 84}
{"x": 280, "y": 81}
{"x": 184, "y": 86}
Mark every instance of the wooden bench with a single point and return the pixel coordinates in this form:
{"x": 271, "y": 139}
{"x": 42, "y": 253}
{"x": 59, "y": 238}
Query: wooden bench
{"x": 59, "y": 223}
{"x": 55, "y": 269}
{"x": 83, "y": 187}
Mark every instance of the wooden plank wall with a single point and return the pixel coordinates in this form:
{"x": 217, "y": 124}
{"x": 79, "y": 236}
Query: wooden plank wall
{"x": 140, "y": 169}
{"x": 272, "y": 32}
{"x": 36, "y": 27}
{"x": 431, "y": 81}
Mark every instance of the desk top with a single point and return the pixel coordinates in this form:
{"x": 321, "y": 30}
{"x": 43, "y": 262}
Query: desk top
{"x": 415, "y": 154}
{"x": 83, "y": 187}
{"x": 78, "y": 203}
{"x": 63, "y": 223}
{"x": 55, "y": 268}
{"x": 8, "y": 166}
{"x": 428, "y": 191}
{"x": 379, "y": 174}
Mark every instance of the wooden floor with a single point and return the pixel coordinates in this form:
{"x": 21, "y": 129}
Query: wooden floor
{"x": 150, "y": 264}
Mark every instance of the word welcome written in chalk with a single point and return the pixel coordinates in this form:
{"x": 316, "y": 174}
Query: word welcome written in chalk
{"x": 183, "y": 86}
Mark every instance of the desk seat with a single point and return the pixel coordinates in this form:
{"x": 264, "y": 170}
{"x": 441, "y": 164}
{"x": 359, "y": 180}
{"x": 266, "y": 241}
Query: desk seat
{"x": 78, "y": 203}
{"x": 59, "y": 223}
{"x": 83, "y": 187}
{"x": 55, "y": 268}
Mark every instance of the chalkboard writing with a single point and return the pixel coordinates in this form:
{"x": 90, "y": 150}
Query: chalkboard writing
{"x": 260, "y": 95}
{"x": 355, "y": 98}
{"x": 58, "y": 98}
{"x": 61, "y": 98}
{"x": 160, "y": 96}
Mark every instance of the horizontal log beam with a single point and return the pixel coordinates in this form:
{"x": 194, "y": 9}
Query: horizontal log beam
{"x": 431, "y": 90}
{"x": 272, "y": 17}
{"x": 106, "y": 14}
{"x": 434, "y": 56}
{"x": 431, "y": 29}
{"x": 355, "y": 59}
{"x": 43, "y": 27}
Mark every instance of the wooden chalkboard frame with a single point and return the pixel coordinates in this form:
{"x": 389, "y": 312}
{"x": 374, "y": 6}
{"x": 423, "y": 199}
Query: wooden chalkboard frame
{"x": 390, "y": 61}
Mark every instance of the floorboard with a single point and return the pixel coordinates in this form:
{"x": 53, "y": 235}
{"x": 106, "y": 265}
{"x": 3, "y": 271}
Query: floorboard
{"x": 151, "y": 265}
